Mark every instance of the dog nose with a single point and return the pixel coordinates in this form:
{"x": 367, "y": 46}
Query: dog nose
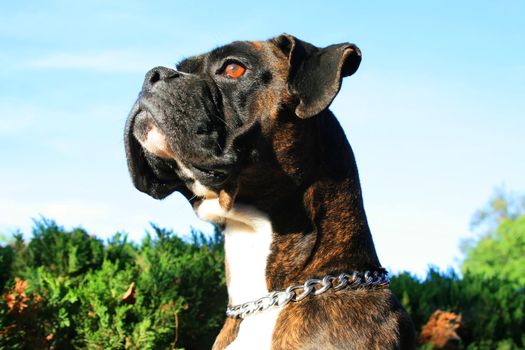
{"x": 158, "y": 74}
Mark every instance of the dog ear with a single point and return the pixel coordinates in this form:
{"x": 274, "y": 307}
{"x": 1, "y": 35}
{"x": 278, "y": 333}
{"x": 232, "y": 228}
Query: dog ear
{"x": 316, "y": 74}
{"x": 151, "y": 175}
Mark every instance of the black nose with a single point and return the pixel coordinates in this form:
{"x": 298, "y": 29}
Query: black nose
{"x": 158, "y": 74}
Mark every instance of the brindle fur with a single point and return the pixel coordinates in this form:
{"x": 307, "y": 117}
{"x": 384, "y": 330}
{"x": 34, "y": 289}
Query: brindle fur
{"x": 311, "y": 175}
{"x": 301, "y": 171}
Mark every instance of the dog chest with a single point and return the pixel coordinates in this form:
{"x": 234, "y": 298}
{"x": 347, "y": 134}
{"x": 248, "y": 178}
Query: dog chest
{"x": 255, "y": 332}
{"x": 248, "y": 238}
{"x": 246, "y": 255}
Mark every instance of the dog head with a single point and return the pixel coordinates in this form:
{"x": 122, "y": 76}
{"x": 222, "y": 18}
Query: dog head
{"x": 204, "y": 127}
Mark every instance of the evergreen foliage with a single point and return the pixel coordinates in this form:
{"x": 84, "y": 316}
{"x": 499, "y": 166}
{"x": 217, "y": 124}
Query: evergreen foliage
{"x": 492, "y": 309}
{"x": 69, "y": 290}
{"x": 500, "y": 255}
{"x": 66, "y": 289}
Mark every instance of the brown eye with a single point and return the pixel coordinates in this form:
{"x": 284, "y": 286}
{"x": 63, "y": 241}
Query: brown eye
{"x": 234, "y": 70}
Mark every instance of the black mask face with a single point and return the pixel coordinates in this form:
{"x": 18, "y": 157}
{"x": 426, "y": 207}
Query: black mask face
{"x": 213, "y": 114}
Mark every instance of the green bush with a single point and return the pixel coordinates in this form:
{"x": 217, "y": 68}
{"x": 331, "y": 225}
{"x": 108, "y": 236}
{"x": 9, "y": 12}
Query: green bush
{"x": 493, "y": 310}
{"x": 65, "y": 289}
{"x": 68, "y": 290}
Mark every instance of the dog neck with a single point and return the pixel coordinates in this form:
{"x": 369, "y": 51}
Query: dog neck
{"x": 248, "y": 236}
{"x": 319, "y": 221}
{"x": 298, "y": 232}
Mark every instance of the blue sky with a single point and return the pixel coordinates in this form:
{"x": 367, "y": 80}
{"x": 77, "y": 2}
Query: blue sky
{"x": 435, "y": 113}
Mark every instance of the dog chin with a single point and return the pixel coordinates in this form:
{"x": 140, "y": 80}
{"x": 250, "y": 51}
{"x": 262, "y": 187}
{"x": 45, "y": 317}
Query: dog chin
{"x": 202, "y": 191}
{"x": 155, "y": 142}
{"x": 211, "y": 210}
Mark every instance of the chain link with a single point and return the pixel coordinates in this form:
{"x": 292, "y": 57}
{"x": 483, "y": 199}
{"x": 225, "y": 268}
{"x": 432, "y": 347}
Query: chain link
{"x": 313, "y": 286}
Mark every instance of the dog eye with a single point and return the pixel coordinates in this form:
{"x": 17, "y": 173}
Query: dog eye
{"x": 234, "y": 70}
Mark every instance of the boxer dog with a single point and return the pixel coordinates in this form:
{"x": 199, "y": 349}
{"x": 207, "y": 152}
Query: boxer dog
{"x": 245, "y": 134}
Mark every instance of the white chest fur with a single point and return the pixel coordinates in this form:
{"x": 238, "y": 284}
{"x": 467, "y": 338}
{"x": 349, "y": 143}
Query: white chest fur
{"x": 247, "y": 242}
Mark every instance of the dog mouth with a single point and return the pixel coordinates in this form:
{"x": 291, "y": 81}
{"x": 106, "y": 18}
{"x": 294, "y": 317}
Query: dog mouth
{"x": 218, "y": 177}
{"x": 203, "y": 175}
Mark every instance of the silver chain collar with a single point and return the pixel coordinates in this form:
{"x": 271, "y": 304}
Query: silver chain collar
{"x": 356, "y": 280}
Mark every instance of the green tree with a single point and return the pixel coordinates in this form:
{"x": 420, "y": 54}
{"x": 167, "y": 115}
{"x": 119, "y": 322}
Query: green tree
{"x": 500, "y": 255}
{"x": 499, "y": 252}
